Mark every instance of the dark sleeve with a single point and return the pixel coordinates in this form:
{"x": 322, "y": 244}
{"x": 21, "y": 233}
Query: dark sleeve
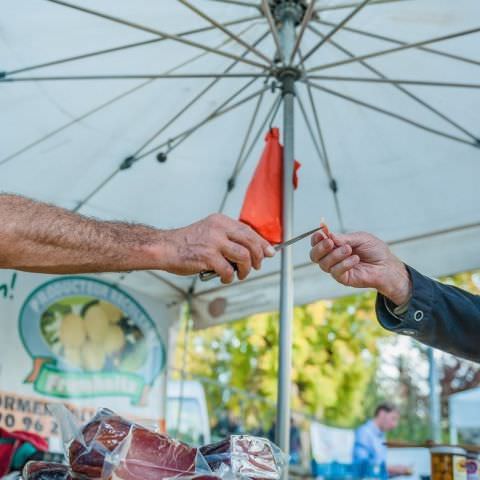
{"x": 438, "y": 315}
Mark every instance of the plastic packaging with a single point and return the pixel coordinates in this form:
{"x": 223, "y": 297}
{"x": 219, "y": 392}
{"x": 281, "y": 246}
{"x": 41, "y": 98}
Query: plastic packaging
{"x": 245, "y": 456}
{"x": 46, "y": 471}
{"x": 111, "y": 447}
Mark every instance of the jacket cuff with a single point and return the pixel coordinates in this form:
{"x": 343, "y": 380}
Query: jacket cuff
{"x": 419, "y": 314}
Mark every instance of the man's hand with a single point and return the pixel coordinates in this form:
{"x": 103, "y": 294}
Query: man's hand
{"x": 210, "y": 243}
{"x": 363, "y": 261}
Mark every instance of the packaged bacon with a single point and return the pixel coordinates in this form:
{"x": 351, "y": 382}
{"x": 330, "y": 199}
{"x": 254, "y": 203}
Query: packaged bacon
{"x": 46, "y": 471}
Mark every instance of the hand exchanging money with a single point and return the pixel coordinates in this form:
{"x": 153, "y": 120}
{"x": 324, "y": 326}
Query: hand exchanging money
{"x": 364, "y": 261}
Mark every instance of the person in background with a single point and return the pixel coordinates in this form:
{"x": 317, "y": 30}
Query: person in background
{"x": 408, "y": 303}
{"x": 37, "y": 237}
{"x": 370, "y": 452}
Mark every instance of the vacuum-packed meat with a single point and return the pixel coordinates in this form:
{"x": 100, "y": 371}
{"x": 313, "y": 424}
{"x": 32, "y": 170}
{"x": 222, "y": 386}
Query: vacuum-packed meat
{"x": 109, "y": 446}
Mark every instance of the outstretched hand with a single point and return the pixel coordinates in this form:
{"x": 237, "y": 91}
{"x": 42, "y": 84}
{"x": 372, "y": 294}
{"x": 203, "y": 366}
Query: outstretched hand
{"x": 362, "y": 260}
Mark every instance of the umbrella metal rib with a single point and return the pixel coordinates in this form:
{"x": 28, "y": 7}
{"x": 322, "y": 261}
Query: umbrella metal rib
{"x": 393, "y": 115}
{"x": 402, "y": 89}
{"x": 226, "y": 30}
{"x": 123, "y": 47}
{"x": 366, "y": 33}
{"x": 319, "y": 131}
{"x": 323, "y": 157}
{"x": 310, "y": 131}
{"x": 261, "y": 130}
{"x": 215, "y": 114}
{"x": 97, "y": 109}
{"x": 195, "y": 99}
{"x": 306, "y": 19}
{"x": 104, "y": 182}
{"x": 396, "y": 49}
{"x": 166, "y": 35}
{"x": 332, "y": 182}
{"x": 354, "y": 4}
{"x": 392, "y": 81}
{"x": 336, "y": 29}
{"x": 232, "y": 178}
{"x": 247, "y": 138}
{"x": 153, "y": 273}
{"x": 237, "y": 2}
{"x": 273, "y": 28}
{"x": 63, "y": 127}
{"x": 162, "y": 279}
{"x": 182, "y": 136}
{"x": 270, "y": 116}
{"x": 153, "y": 76}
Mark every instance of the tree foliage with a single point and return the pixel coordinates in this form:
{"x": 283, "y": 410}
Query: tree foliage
{"x": 334, "y": 352}
{"x": 335, "y": 374}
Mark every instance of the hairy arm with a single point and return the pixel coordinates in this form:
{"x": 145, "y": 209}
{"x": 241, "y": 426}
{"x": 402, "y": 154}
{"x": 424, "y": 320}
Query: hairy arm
{"x": 37, "y": 237}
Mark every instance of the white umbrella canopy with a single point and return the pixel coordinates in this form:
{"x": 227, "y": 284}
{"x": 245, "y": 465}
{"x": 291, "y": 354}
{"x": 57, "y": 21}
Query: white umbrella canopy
{"x": 416, "y": 186}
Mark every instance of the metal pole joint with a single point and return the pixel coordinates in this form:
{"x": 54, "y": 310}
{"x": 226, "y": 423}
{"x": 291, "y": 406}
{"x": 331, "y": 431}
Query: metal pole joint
{"x": 293, "y": 9}
{"x": 287, "y": 77}
{"x": 127, "y": 163}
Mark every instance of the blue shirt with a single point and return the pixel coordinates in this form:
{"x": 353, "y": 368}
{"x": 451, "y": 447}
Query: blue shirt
{"x": 369, "y": 450}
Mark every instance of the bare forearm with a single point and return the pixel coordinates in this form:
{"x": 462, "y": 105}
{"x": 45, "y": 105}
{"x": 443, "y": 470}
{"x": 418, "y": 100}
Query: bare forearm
{"x": 42, "y": 238}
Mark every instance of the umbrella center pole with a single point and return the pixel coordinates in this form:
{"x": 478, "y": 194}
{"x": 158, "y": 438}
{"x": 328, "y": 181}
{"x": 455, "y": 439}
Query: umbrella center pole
{"x": 288, "y": 13}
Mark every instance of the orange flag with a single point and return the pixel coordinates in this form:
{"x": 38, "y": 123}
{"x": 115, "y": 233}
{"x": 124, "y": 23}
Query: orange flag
{"x": 263, "y": 204}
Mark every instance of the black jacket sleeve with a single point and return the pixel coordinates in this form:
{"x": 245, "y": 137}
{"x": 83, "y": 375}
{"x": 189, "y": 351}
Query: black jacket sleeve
{"x": 438, "y": 315}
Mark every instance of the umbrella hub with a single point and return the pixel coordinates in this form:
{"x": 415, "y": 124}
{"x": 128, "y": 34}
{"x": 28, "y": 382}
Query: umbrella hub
{"x": 293, "y": 9}
{"x": 288, "y": 72}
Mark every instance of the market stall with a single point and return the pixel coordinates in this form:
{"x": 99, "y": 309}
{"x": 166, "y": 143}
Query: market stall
{"x": 82, "y": 341}
{"x": 380, "y": 106}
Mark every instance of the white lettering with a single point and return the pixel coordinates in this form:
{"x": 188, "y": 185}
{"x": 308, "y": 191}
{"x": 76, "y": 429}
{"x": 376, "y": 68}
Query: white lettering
{"x": 91, "y": 385}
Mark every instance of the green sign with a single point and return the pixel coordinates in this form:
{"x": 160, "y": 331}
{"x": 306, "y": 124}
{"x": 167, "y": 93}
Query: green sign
{"x": 88, "y": 338}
